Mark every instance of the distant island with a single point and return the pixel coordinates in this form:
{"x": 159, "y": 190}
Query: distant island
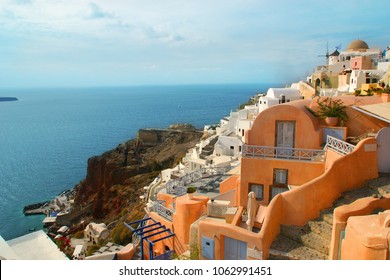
{"x": 3, "y": 99}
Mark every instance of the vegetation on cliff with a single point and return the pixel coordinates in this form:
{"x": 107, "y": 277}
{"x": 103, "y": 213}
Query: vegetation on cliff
{"x": 115, "y": 179}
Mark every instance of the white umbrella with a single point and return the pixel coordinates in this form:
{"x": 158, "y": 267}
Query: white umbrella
{"x": 251, "y": 208}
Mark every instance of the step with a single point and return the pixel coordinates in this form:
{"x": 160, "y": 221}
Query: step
{"x": 321, "y": 227}
{"x": 327, "y": 216}
{"x": 381, "y": 184}
{"x": 284, "y": 248}
{"x": 306, "y": 237}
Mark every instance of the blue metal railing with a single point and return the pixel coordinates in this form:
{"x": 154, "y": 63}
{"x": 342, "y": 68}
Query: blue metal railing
{"x": 166, "y": 256}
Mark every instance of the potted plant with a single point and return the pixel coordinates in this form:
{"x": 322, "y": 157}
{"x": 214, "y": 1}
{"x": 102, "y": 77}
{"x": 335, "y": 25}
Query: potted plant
{"x": 331, "y": 110}
{"x": 190, "y": 192}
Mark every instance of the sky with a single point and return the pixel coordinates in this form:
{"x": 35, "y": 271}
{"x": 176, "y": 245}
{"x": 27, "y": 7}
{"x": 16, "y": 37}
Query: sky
{"x": 73, "y": 43}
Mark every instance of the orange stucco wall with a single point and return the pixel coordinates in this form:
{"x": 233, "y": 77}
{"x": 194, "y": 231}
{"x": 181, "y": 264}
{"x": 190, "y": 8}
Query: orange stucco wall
{"x": 363, "y": 206}
{"x": 318, "y": 187}
{"x": 366, "y": 239}
{"x": 358, "y": 122}
{"x": 344, "y": 174}
{"x": 218, "y": 230}
{"x": 331, "y": 156}
{"x": 307, "y": 132}
{"x": 261, "y": 171}
{"x": 229, "y": 184}
{"x": 304, "y": 203}
{"x": 159, "y": 247}
{"x": 187, "y": 212}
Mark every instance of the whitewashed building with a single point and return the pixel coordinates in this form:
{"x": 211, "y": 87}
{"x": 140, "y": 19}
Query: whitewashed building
{"x": 360, "y": 77}
{"x": 228, "y": 146}
{"x": 96, "y": 232}
{"x": 278, "y": 96}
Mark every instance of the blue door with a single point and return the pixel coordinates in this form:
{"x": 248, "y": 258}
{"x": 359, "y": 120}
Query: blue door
{"x": 234, "y": 249}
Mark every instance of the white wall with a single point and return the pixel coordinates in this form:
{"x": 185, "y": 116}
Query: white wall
{"x": 224, "y": 145}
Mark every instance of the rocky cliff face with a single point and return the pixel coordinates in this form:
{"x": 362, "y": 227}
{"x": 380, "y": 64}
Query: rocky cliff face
{"x": 115, "y": 179}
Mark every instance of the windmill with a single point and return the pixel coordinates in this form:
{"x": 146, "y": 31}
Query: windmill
{"x": 327, "y": 53}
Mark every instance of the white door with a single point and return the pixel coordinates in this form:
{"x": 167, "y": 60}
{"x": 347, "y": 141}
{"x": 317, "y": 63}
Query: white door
{"x": 383, "y": 140}
{"x": 234, "y": 249}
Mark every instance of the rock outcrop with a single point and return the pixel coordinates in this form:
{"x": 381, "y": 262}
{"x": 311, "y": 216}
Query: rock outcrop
{"x": 115, "y": 179}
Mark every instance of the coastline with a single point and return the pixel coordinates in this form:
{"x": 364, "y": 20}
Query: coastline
{"x": 7, "y": 99}
{"x": 106, "y": 135}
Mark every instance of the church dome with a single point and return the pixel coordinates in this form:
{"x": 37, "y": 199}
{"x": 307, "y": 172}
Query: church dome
{"x": 357, "y": 45}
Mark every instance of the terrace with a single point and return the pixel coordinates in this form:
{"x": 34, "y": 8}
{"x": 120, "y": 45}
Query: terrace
{"x": 342, "y": 147}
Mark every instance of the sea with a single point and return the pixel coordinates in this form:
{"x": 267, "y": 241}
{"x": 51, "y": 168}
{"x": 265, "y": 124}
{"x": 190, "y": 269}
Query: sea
{"x": 47, "y": 136}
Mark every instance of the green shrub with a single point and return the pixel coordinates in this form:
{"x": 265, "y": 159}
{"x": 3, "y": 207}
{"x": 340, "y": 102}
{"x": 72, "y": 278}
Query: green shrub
{"x": 79, "y": 234}
{"x": 191, "y": 189}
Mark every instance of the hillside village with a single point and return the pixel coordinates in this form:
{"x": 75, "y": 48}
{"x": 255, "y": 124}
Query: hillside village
{"x": 303, "y": 173}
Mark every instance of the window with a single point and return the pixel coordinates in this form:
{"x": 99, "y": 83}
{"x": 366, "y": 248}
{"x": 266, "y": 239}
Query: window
{"x": 239, "y": 148}
{"x": 231, "y": 147}
{"x": 280, "y": 182}
{"x": 276, "y": 189}
{"x": 258, "y": 189}
{"x": 280, "y": 176}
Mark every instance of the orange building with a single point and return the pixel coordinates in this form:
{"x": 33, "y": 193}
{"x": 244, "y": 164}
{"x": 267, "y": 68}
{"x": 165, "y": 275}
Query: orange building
{"x": 293, "y": 163}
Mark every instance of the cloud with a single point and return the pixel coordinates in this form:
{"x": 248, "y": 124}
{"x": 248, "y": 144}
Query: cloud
{"x": 97, "y": 13}
{"x": 22, "y": 2}
{"x": 198, "y": 39}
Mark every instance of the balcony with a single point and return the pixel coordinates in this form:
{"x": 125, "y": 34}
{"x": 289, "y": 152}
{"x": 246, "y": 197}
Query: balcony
{"x": 338, "y": 145}
{"x": 161, "y": 209}
{"x": 250, "y": 151}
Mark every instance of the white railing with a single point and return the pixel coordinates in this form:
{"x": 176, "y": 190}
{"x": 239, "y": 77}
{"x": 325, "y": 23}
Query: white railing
{"x": 177, "y": 186}
{"x": 250, "y": 151}
{"x": 163, "y": 211}
{"x": 338, "y": 145}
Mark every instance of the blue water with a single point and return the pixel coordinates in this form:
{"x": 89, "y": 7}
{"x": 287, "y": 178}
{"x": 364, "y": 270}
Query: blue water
{"x": 48, "y": 135}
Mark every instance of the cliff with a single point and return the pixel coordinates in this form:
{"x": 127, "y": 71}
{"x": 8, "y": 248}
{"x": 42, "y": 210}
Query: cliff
{"x": 115, "y": 179}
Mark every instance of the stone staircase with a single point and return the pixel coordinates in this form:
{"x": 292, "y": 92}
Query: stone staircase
{"x": 312, "y": 241}
{"x": 208, "y": 149}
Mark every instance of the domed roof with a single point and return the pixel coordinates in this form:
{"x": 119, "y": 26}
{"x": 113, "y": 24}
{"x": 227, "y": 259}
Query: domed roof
{"x": 357, "y": 45}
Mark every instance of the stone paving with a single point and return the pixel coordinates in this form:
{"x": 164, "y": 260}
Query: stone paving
{"x": 312, "y": 241}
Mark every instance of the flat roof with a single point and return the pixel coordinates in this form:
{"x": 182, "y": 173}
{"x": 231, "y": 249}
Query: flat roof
{"x": 235, "y": 171}
{"x": 36, "y": 246}
{"x": 6, "y": 252}
{"x": 380, "y": 110}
